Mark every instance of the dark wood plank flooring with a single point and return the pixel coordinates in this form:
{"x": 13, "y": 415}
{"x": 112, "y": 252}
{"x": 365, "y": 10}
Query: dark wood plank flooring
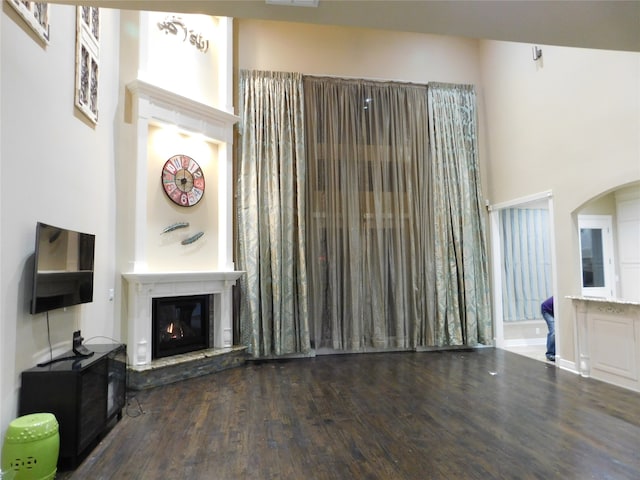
{"x": 481, "y": 414}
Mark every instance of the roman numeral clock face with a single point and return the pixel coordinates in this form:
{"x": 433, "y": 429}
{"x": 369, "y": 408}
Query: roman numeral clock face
{"x": 183, "y": 180}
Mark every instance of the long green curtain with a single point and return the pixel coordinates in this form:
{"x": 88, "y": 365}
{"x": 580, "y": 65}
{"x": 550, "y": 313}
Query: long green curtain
{"x": 370, "y": 258}
{"x": 270, "y": 208}
{"x": 462, "y": 280}
{"x": 379, "y": 196}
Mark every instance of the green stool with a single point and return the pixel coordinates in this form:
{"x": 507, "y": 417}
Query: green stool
{"x": 31, "y": 447}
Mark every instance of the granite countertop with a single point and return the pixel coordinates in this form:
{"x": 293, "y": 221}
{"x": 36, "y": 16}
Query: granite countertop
{"x": 617, "y": 301}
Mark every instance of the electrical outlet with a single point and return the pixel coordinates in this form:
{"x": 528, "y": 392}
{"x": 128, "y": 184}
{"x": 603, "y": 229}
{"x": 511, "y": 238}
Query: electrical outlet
{"x": 537, "y": 330}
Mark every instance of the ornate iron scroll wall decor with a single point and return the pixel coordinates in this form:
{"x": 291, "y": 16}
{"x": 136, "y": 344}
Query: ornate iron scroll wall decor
{"x": 87, "y": 61}
{"x": 173, "y": 25}
{"x": 36, "y": 14}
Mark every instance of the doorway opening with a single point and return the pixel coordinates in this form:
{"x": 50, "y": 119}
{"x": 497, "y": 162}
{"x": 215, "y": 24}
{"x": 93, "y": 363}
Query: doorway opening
{"x": 523, "y": 272}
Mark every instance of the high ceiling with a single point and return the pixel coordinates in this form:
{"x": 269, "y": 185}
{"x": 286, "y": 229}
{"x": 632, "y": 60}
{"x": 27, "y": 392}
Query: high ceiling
{"x": 600, "y": 24}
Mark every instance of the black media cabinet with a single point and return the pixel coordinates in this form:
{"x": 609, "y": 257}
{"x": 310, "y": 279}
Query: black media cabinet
{"x": 86, "y": 394}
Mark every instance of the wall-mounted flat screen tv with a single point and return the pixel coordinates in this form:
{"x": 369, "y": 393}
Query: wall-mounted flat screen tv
{"x": 63, "y": 273}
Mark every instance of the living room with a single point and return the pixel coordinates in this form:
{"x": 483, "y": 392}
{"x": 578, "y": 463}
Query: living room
{"x": 567, "y": 123}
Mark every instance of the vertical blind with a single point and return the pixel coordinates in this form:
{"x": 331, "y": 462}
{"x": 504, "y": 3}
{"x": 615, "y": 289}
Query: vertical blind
{"x": 526, "y": 268}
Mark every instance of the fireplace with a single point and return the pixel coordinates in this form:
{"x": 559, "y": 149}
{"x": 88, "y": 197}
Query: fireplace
{"x": 181, "y": 324}
{"x": 144, "y": 287}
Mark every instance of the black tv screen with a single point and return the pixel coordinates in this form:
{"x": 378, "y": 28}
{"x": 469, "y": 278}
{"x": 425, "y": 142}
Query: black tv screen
{"x": 63, "y": 272}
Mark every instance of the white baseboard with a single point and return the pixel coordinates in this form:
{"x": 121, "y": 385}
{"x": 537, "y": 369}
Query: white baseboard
{"x": 567, "y": 365}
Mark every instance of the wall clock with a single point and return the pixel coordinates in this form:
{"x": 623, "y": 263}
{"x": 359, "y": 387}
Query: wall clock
{"x": 183, "y": 180}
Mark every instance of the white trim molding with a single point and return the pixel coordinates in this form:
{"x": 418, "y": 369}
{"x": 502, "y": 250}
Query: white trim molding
{"x": 545, "y": 200}
{"x": 162, "y": 107}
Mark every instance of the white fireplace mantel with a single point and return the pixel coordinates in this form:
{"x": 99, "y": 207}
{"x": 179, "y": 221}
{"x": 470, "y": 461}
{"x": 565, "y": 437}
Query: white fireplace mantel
{"x": 142, "y": 288}
{"x": 151, "y": 278}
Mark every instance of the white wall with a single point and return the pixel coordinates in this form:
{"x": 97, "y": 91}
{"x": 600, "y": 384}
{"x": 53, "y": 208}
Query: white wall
{"x": 355, "y": 52}
{"x": 164, "y": 252}
{"x": 173, "y": 62}
{"x": 56, "y": 168}
{"x": 568, "y": 123}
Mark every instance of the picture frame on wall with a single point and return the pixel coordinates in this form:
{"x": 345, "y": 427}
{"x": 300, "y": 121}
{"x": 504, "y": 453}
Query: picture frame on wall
{"x": 87, "y": 61}
{"x": 36, "y": 15}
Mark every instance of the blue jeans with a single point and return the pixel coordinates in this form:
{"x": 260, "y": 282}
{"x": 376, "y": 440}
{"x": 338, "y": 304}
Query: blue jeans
{"x": 551, "y": 336}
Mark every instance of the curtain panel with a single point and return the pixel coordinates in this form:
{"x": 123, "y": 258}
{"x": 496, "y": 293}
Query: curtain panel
{"x": 360, "y": 219}
{"x": 270, "y": 210}
{"x": 369, "y": 252}
{"x": 463, "y": 309}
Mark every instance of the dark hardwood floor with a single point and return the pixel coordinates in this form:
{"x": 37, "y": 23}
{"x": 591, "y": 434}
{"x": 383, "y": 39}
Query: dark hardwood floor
{"x": 481, "y": 414}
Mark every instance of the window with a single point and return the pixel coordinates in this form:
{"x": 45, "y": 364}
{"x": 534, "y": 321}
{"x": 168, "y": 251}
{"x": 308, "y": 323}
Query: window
{"x": 596, "y": 256}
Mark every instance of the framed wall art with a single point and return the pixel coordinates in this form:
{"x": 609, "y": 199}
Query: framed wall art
{"x": 87, "y": 61}
{"x": 36, "y": 14}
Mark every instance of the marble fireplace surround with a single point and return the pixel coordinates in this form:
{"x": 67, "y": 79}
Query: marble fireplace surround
{"x": 142, "y": 288}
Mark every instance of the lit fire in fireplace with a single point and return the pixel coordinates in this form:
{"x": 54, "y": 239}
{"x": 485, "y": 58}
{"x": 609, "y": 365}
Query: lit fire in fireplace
{"x": 174, "y": 331}
{"x": 177, "y": 329}
{"x": 180, "y": 324}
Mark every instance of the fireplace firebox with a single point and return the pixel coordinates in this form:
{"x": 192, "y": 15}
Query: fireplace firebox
{"x": 181, "y": 324}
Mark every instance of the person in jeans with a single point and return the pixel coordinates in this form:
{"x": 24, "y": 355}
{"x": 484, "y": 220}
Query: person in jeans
{"x": 547, "y": 313}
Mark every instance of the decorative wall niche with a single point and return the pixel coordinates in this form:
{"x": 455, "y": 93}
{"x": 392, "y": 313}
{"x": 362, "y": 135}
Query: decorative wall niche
{"x": 36, "y": 15}
{"x": 153, "y": 109}
{"x": 87, "y": 61}
{"x": 173, "y": 250}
